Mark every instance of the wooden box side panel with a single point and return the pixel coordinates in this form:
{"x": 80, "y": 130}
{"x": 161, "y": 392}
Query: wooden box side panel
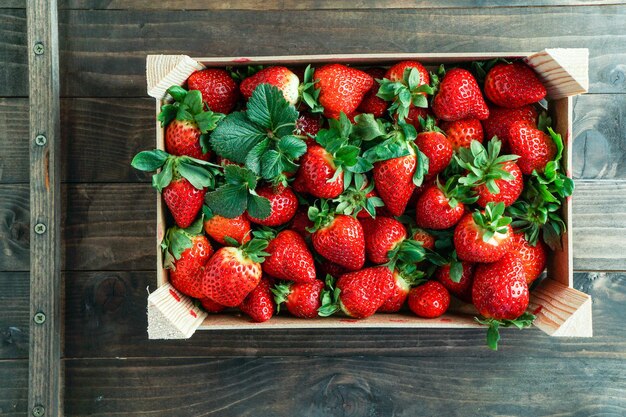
{"x": 161, "y": 226}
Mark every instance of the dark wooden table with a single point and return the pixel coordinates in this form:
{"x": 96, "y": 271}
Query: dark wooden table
{"x": 111, "y": 369}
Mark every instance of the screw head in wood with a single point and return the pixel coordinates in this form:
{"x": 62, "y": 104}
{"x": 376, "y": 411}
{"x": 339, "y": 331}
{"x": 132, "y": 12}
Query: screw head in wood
{"x": 40, "y": 228}
{"x": 39, "y": 411}
{"x": 38, "y": 48}
{"x": 39, "y": 318}
{"x": 41, "y": 140}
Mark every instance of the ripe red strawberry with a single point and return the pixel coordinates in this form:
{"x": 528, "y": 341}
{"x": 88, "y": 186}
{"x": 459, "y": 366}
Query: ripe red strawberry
{"x": 182, "y": 137}
{"x": 301, "y": 222}
{"x": 483, "y": 236}
{"x": 317, "y": 169}
{"x": 440, "y": 206}
{"x": 325, "y": 267}
{"x": 459, "y": 97}
{"x": 359, "y": 294}
{"x": 534, "y": 147}
{"x": 308, "y": 125}
{"x": 405, "y": 277}
{"x": 218, "y": 227}
{"x": 513, "y": 85}
{"x": 219, "y": 90}
{"x": 461, "y": 289}
{"x": 280, "y": 77}
{"x": 183, "y": 200}
{"x": 259, "y": 304}
{"x": 429, "y": 300}
{"x": 414, "y": 117}
{"x": 533, "y": 257}
{"x": 186, "y": 253}
{"x": 427, "y": 240}
{"x": 289, "y": 257}
{"x": 494, "y": 177}
{"x": 284, "y": 205}
{"x": 341, "y": 88}
{"x": 500, "y": 121}
{"x": 382, "y": 236}
{"x": 232, "y": 273}
{"x": 338, "y": 238}
{"x": 371, "y": 102}
{"x": 302, "y": 299}
{"x": 500, "y": 290}
{"x": 211, "y": 306}
{"x": 462, "y": 132}
{"x": 396, "y": 72}
{"x": 394, "y": 182}
{"x": 433, "y": 143}
{"x": 406, "y": 85}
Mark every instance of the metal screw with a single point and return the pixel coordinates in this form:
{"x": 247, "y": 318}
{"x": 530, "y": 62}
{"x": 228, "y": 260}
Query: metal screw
{"x": 41, "y": 140}
{"x": 39, "y": 411}
{"x": 40, "y": 228}
{"x": 38, "y": 48}
{"x": 39, "y": 318}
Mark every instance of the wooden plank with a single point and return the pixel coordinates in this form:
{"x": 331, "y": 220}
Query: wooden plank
{"x": 14, "y": 228}
{"x": 125, "y": 126}
{"x": 13, "y": 388}
{"x": 14, "y": 315}
{"x": 106, "y": 317}
{"x": 45, "y": 374}
{"x": 13, "y": 55}
{"x": 360, "y": 386}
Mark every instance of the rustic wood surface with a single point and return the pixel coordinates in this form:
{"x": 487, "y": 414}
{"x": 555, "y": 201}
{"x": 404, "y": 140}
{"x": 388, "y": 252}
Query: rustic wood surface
{"x": 108, "y": 228}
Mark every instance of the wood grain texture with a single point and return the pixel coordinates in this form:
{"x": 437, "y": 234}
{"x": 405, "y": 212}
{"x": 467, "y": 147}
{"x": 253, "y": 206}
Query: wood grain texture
{"x": 14, "y": 315}
{"x": 13, "y": 388}
{"x": 106, "y": 317}
{"x": 361, "y": 386}
{"x": 13, "y": 55}
{"x": 14, "y": 228}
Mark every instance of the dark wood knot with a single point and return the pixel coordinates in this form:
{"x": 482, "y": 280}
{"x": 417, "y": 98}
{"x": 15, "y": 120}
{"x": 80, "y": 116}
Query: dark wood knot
{"x": 109, "y": 294}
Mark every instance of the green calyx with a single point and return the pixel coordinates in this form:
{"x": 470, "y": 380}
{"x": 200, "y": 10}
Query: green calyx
{"x": 404, "y": 93}
{"x": 410, "y": 274}
{"x": 406, "y": 252}
{"x": 330, "y": 298}
{"x": 177, "y": 240}
{"x": 396, "y": 143}
{"x": 261, "y": 137}
{"x": 484, "y": 166}
{"x": 354, "y": 198}
{"x": 436, "y": 78}
{"x": 237, "y": 195}
{"x": 321, "y": 216}
{"x": 493, "y": 334}
{"x": 200, "y": 174}
{"x": 253, "y": 249}
{"x": 429, "y": 125}
{"x": 492, "y": 220}
{"x": 308, "y": 93}
{"x": 456, "y": 193}
{"x": 281, "y": 294}
{"x": 481, "y": 68}
{"x": 241, "y": 73}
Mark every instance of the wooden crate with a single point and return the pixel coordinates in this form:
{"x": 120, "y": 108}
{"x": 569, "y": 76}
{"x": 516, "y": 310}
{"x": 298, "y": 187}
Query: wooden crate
{"x": 560, "y": 309}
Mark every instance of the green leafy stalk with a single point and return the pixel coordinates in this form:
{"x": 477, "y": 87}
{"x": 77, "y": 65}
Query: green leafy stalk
{"x": 493, "y": 333}
{"x": 492, "y": 220}
{"x": 330, "y": 298}
{"x": 355, "y": 198}
{"x": 309, "y": 94}
{"x": 177, "y": 240}
{"x": 409, "y": 91}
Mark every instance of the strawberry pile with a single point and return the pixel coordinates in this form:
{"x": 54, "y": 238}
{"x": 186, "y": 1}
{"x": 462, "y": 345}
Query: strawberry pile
{"x": 338, "y": 190}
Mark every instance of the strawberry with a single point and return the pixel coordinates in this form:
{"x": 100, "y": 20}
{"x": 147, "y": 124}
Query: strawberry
{"x": 183, "y": 181}
{"x": 394, "y": 181}
{"x": 404, "y": 278}
{"x": 341, "y": 88}
{"x": 500, "y": 290}
{"x": 301, "y": 222}
{"x": 462, "y": 286}
{"x": 429, "y": 300}
{"x": 360, "y": 199}
{"x": 325, "y": 267}
{"x": 211, "y": 306}
{"x": 534, "y": 147}
{"x": 308, "y": 125}
{"x": 219, "y": 90}
{"x": 337, "y": 237}
{"x": 500, "y": 120}
{"x": 384, "y": 235}
{"x": 284, "y": 205}
{"x": 494, "y": 178}
{"x": 318, "y": 173}
{"x": 513, "y": 85}
{"x": 533, "y": 257}
{"x": 459, "y": 97}
{"x": 187, "y": 124}
{"x": 232, "y": 273}
{"x": 219, "y": 227}
{"x": 433, "y": 143}
{"x": 415, "y": 113}
{"x": 371, "y": 103}
{"x": 427, "y": 240}
{"x": 302, "y": 299}
{"x": 185, "y": 254}
{"x": 289, "y": 257}
{"x": 406, "y": 84}
{"x": 483, "y": 236}
{"x": 358, "y": 294}
{"x": 280, "y": 77}
{"x": 397, "y": 71}
{"x": 462, "y": 132}
{"x": 259, "y": 304}
{"x": 441, "y": 206}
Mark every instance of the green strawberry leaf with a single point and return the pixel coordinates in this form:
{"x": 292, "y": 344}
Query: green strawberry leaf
{"x": 163, "y": 178}
{"x": 268, "y": 109}
{"x": 177, "y": 92}
{"x": 253, "y": 159}
{"x": 208, "y": 120}
{"x": 271, "y": 164}
{"x": 149, "y": 160}
{"x": 235, "y": 137}
{"x": 193, "y": 101}
{"x": 228, "y": 200}
{"x": 167, "y": 114}
{"x": 456, "y": 271}
{"x": 259, "y": 207}
{"x": 198, "y": 177}
{"x": 367, "y": 128}
{"x": 291, "y": 146}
